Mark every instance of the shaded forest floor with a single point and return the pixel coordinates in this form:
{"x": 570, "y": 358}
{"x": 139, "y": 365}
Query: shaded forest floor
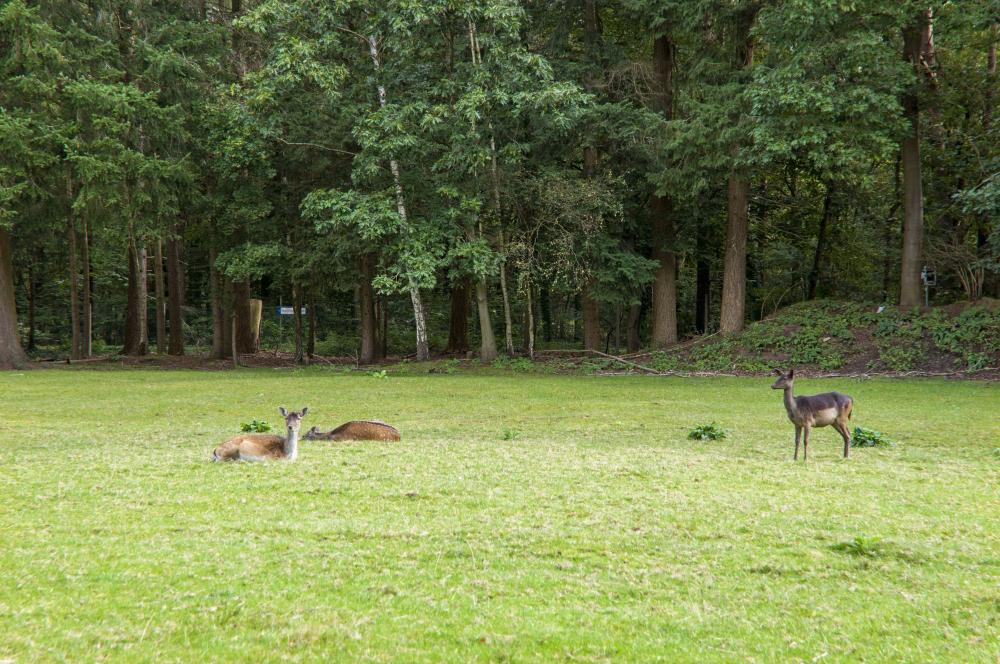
{"x": 521, "y": 518}
{"x": 820, "y": 338}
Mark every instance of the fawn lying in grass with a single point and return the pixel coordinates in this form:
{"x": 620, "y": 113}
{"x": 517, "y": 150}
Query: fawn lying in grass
{"x": 264, "y": 446}
{"x": 820, "y": 410}
{"x": 356, "y": 430}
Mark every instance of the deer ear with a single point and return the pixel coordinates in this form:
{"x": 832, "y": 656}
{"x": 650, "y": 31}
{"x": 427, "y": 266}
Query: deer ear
{"x": 777, "y": 372}
{"x": 305, "y": 410}
{"x": 281, "y": 409}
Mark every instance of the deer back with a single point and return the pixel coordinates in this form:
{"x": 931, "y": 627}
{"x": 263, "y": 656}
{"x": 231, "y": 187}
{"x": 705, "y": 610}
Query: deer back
{"x": 255, "y": 445}
{"x": 365, "y": 430}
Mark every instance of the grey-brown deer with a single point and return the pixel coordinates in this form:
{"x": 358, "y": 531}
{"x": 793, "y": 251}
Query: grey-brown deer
{"x": 356, "y": 430}
{"x": 820, "y": 410}
{"x": 264, "y": 446}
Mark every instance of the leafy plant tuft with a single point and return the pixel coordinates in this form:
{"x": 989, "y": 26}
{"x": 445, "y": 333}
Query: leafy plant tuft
{"x": 255, "y": 426}
{"x": 866, "y": 547}
{"x": 870, "y": 438}
{"x": 707, "y": 432}
{"x": 509, "y": 434}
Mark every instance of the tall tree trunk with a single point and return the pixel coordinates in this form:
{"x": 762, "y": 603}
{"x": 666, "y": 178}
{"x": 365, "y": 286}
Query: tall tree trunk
{"x": 530, "y": 327}
{"x": 458, "y": 321}
{"x": 311, "y": 338}
{"x": 703, "y": 282}
{"x": 220, "y": 318}
{"x": 664, "y": 233}
{"x": 419, "y": 316}
{"x": 144, "y": 296}
{"x": 488, "y": 342}
{"x": 734, "y": 276}
{"x": 11, "y": 354}
{"x": 632, "y": 340}
{"x": 508, "y": 327}
{"x": 175, "y": 297}
{"x": 234, "y": 351}
{"x": 366, "y": 304}
{"x": 244, "y": 333}
{"x": 917, "y": 40}
{"x": 32, "y": 294}
{"x": 664, "y": 301}
{"x": 297, "y": 318}
{"x": 161, "y": 296}
{"x": 546, "y": 306}
{"x": 76, "y": 345}
{"x": 888, "y": 258}
{"x": 135, "y": 307}
{"x": 88, "y": 288}
{"x": 590, "y": 312}
{"x": 991, "y": 281}
{"x": 383, "y": 340}
{"x": 824, "y": 221}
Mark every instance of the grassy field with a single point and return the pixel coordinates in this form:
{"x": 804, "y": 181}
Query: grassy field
{"x": 522, "y": 518}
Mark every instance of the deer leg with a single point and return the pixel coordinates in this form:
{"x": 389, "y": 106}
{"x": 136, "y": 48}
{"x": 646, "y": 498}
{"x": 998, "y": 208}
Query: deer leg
{"x": 845, "y": 434}
{"x": 798, "y": 433}
{"x": 805, "y": 443}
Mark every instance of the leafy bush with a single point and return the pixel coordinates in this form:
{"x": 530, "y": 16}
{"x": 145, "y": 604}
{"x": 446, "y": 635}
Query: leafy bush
{"x": 870, "y": 438}
{"x": 255, "y": 426}
{"x": 381, "y": 373}
{"x": 707, "y": 432}
{"x": 977, "y": 361}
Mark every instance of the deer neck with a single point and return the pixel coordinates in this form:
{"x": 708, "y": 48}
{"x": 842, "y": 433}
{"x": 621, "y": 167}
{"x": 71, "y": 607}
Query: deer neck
{"x": 790, "y": 403}
{"x": 292, "y": 444}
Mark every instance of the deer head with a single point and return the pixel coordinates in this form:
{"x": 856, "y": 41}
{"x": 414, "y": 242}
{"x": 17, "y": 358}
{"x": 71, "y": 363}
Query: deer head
{"x": 784, "y": 380}
{"x": 293, "y": 419}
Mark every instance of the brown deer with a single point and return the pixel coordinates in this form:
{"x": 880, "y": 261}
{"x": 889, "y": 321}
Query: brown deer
{"x": 820, "y": 410}
{"x": 356, "y": 430}
{"x": 264, "y": 446}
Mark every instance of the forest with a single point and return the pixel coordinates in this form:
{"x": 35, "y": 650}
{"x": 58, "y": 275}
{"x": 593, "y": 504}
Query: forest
{"x": 485, "y": 178}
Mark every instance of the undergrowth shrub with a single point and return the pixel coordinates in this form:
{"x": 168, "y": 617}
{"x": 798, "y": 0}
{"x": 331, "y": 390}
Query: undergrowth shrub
{"x": 520, "y": 364}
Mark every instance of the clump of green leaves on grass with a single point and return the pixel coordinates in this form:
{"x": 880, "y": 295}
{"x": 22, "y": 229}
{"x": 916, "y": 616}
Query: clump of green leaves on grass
{"x": 707, "y": 432}
{"x": 255, "y": 426}
{"x": 509, "y": 434}
{"x": 870, "y": 438}
{"x": 865, "y": 547}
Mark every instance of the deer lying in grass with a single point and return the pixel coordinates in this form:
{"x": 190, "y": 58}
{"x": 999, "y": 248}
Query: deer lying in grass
{"x": 820, "y": 410}
{"x": 356, "y": 430}
{"x": 264, "y": 446}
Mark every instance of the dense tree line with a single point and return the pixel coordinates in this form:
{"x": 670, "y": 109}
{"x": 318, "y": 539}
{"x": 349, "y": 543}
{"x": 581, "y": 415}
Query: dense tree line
{"x": 619, "y": 173}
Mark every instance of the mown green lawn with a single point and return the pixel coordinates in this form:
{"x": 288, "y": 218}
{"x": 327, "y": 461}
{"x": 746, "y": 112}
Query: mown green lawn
{"x": 522, "y": 518}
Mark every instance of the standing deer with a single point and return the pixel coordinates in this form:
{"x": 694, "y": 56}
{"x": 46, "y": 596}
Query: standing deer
{"x": 820, "y": 410}
{"x": 356, "y": 430}
{"x": 264, "y": 446}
